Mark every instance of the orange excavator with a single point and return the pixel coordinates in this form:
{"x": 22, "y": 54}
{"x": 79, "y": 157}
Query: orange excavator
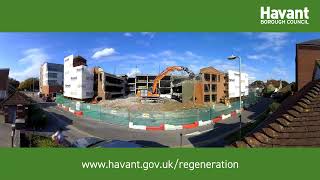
{"x": 154, "y": 94}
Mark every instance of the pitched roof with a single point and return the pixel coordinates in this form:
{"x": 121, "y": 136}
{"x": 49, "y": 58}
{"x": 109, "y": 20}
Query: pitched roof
{"x": 295, "y": 123}
{"x": 311, "y": 42}
{"x": 17, "y": 98}
{"x": 210, "y": 69}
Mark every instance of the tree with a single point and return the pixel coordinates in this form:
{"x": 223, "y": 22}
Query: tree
{"x": 14, "y": 83}
{"x": 257, "y": 83}
{"x": 29, "y": 84}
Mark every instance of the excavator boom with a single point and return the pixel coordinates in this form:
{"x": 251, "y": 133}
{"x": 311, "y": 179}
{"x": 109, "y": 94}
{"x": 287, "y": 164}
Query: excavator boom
{"x": 166, "y": 72}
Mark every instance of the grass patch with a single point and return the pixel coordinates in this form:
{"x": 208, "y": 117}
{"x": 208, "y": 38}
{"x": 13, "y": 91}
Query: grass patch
{"x": 43, "y": 142}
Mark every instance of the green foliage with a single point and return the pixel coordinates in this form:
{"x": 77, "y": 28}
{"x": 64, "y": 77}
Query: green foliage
{"x": 38, "y": 118}
{"x": 274, "y": 106}
{"x": 29, "y": 84}
{"x": 14, "y": 83}
{"x": 257, "y": 83}
{"x": 43, "y": 142}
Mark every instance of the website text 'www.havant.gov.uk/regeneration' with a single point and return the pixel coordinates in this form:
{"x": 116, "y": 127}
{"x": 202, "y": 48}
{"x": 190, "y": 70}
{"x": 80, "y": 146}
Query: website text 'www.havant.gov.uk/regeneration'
{"x": 169, "y": 164}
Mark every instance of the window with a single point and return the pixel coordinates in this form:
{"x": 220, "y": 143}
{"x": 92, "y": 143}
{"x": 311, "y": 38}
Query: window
{"x": 52, "y": 82}
{"x": 89, "y": 93}
{"x": 214, "y": 77}
{"x": 52, "y": 75}
{"x": 214, "y": 98}
{"x": 55, "y": 67}
{"x": 218, "y": 78}
{"x": 213, "y": 88}
{"x": 207, "y": 77}
{"x": 100, "y": 75}
{"x": 206, "y": 87}
{"x": 206, "y": 98}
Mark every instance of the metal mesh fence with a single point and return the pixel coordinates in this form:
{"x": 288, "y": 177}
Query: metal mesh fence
{"x": 150, "y": 118}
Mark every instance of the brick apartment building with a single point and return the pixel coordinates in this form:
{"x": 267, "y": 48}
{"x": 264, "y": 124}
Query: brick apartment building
{"x": 213, "y": 85}
{"x": 4, "y": 73}
{"x": 307, "y": 62}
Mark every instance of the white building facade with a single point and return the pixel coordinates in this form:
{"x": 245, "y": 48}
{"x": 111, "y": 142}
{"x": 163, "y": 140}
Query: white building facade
{"x": 78, "y": 80}
{"x": 233, "y": 84}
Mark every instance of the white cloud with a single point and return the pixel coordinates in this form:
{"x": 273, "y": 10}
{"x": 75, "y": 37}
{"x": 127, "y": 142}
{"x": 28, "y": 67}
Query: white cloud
{"x": 274, "y": 41}
{"x": 192, "y": 55}
{"x": 127, "y": 34}
{"x": 133, "y": 72}
{"x": 32, "y": 60}
{"x": 103, "y": 53}
{"x": 149, "y": 34}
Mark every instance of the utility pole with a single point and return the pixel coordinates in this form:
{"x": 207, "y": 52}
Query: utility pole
{"x": 32, "y": 86}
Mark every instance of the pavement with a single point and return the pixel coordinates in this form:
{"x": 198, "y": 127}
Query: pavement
{"x": 205, "y": 136}
{"x": 5, "y": 134}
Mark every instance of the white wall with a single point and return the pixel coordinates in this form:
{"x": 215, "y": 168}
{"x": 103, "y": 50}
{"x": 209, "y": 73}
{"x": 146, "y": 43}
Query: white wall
{"x": 78, "y": 81}
{"x": 234, "y": 84}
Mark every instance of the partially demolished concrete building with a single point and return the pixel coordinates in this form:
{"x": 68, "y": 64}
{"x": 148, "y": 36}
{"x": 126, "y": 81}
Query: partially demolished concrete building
{"x": 108, "y": 86}
{"x": 141, "y": 82}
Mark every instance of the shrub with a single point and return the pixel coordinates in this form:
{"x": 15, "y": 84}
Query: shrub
{"x": 38, "y": 118}
{"x": 273, "y": 107}
{"x": 43, "y": 142}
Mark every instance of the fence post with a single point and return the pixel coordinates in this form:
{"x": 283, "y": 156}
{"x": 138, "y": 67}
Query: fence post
{"x": 129, "y": 116}
{"x": 164, "y": 118}
{"x": 100, "y": 113}
{"x": 198, "y": 114}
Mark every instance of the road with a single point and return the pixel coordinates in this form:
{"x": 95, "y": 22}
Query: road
{"x": 202, "y": 136}
{"x": 75, "y": 127}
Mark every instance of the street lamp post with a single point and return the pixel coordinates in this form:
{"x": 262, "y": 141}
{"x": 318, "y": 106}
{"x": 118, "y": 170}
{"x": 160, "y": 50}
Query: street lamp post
{"x": 233, "y": 57}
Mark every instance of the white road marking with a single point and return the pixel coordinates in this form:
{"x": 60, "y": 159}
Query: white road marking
{"x": 197, "y": 132}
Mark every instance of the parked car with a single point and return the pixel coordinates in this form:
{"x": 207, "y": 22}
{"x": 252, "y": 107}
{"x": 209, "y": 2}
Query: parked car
{"x": 86, "y": 142}
{"x": 94, "y": 142}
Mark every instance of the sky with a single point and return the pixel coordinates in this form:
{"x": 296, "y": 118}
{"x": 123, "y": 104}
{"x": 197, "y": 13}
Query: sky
{"x": 264, "y": 55}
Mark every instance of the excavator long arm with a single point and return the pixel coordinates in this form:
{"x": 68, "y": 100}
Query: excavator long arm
{"x": 166, "y": 72}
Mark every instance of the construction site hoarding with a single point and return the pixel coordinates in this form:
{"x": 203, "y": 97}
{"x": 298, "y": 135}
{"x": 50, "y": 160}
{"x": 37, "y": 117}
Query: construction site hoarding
{"x": 78, "y": 80}
{"x": 233, "y": 84}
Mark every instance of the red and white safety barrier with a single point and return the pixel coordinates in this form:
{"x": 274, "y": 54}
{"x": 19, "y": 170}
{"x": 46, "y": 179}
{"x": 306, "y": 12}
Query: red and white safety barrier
{"x": 78, "y": 113}
{"x": 167, "y": 127}
{"x": 71, "y": 110}
{"x": 155, "y": 128}
{"x": 205, "y": 123}
{"x": 140, "y": 127}
{"x": 172, "y": 127}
